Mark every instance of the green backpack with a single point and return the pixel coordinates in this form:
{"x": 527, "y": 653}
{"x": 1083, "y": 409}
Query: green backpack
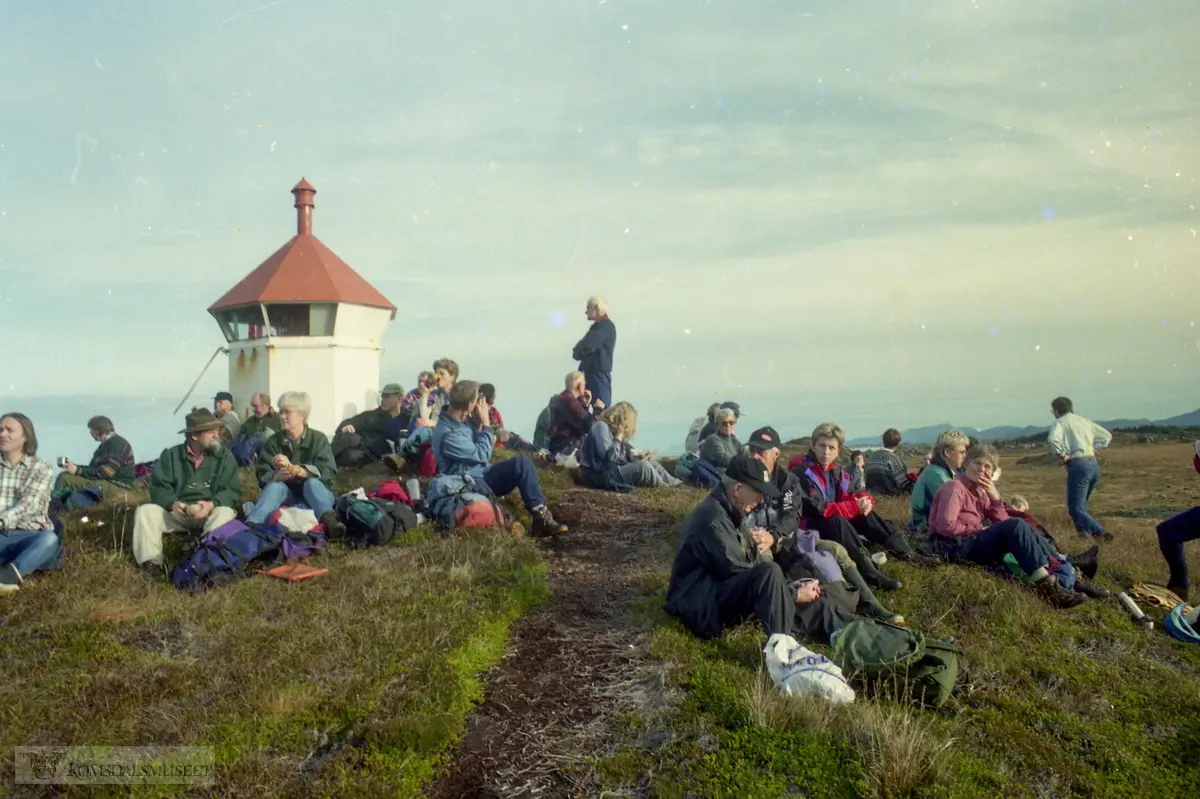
{"x": 924, "y": 669}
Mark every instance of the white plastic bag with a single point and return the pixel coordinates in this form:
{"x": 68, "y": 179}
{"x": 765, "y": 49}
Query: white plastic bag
{"x": 797, "y": 670}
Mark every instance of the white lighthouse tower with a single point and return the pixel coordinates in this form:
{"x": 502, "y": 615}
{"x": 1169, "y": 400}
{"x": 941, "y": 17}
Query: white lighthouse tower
{"x": 305, "y": 321}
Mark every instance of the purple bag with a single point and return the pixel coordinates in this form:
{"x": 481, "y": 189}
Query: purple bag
{"x": 825, "y": 562}
{"x": 301, "y": 545}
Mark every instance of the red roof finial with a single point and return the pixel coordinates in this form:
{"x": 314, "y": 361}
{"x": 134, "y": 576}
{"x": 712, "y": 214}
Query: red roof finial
{"x": 304, "y": 207}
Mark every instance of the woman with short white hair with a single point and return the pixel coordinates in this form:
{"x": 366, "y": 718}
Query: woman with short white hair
{"x": 722, "y": 446}
{"x": 297, "y": 464}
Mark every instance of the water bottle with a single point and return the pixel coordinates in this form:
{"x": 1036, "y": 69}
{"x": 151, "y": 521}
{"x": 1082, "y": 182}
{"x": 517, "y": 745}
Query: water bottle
{"x": 414, "y": 488}
{"x": 1134, "y": 611}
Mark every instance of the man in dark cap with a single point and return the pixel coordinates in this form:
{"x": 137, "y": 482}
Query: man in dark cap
{"x": 194, "y": 486}
{"x": 723, "y": 571}
{"x": 364, "y": 438}
{"x": 223, "y": 410}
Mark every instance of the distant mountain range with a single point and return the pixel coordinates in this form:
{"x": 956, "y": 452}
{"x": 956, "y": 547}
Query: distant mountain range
{"x": 927, "y": 435}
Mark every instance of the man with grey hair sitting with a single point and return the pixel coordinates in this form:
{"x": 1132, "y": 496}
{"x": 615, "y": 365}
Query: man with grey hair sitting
{"x": 297, "y": 463}
{"x": 595, "y": 352}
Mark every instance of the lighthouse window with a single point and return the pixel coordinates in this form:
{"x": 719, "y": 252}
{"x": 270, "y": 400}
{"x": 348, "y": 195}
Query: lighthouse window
{"x": 288, "y": 320}
{"x": 242, "y": 324}
{"x": 321, "y": 318}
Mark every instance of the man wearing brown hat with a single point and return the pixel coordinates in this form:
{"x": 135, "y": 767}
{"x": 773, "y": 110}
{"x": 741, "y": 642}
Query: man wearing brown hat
{"x": 194, "y": 486}
{"x": 364, "y": 438}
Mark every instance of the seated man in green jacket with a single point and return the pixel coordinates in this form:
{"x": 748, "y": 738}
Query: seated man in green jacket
{"x": 193, "y": 486}
{"x": 297, "y": 463}
{"x": 112, "y": 462}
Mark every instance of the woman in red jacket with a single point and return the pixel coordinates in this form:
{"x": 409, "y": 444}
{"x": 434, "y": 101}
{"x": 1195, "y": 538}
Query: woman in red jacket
{"x": 1173, "y": 534}
{"x": 833, "y": 510}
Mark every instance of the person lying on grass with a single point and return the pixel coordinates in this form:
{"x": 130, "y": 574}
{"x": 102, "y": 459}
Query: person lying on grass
{"x": 803, "y": 554}
{"x": 837, "y": 513}
{"x": 297, "y": 464}
{"x": 463, "y": 443}
{"x": 1070, "y": 575}
{"x": 969, "y": 523}
{"x": 28, "y": 542}
{"x": 607, "y": 460}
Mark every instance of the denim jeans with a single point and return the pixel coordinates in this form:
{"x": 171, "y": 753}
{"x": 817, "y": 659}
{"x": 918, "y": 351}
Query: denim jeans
{"x": 30, "y": 550}
{"x": 516, "y": 474}
{"x": 312, "y": 491}
{"x": 1172, "y": 535}
{"x": 600, "y": 384}
{"x": 649, "y": 474}
{"x": 1082, "y": 476}
{"x": 989, "y": 545}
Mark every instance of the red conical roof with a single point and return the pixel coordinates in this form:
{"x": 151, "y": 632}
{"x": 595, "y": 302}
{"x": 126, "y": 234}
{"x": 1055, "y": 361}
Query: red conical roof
{"x": 303, "y": 270}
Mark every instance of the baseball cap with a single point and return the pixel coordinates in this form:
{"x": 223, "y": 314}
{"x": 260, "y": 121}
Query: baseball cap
{"x": 763, "y": 438}
{"x": 392, "y": 388}
{"x": 744, "y": 469}
{"x": 223, "y": 395}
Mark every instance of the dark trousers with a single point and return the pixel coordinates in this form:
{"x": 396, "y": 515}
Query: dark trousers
{"x": 841, "y": 531}
{"x": 1172, "y": 535}
{"x": 600, "y": 384}
{"x": 516, "y": 474}
{"x": 761, "y": 593}
{"x": 990, "y": 545}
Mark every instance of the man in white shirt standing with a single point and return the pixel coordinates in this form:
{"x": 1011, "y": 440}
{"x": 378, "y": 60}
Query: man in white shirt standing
{"x": 1076, "y": 439}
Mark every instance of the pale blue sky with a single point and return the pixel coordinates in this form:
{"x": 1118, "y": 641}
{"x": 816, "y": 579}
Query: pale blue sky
{"x": 929, "y": 211}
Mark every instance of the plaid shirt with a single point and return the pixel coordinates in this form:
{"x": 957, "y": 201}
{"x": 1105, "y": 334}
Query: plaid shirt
{"x": 25, "y": 494}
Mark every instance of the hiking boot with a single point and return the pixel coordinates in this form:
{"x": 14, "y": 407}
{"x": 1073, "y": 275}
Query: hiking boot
{"x": 544, "y": 523}
{"x": 334, "y": 529}
{"x": 1086, "y": 562}
{"x": 899, "y": 543}
{"x": 10, "y": 579}
{"x": 1180, "y": 591}
{"x": 1088, "y": 588}
{"x": 155, "y": 571}
{"x": 1055, "y": 595}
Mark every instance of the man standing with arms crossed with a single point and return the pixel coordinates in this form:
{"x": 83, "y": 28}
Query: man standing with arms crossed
{"x": 595, "y": 351}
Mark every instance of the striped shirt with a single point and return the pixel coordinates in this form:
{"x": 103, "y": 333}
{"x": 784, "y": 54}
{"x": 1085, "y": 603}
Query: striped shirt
{"x": 25, "y": 494}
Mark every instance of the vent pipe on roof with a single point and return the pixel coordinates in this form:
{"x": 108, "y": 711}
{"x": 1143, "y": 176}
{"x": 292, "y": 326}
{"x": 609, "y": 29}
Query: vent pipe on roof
{"x": 304, "y": 207}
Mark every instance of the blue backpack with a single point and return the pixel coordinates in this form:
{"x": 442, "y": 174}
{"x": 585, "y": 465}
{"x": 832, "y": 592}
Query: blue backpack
{"x": 224, "y": 555}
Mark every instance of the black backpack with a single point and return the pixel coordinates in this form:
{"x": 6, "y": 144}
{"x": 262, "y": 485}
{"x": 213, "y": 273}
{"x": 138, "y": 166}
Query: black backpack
{"x": 373, "y": 522}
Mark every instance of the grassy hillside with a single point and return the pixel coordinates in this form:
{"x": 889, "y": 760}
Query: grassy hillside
{"x": 361, "y": 682}
{"x": 349, "y": 684}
